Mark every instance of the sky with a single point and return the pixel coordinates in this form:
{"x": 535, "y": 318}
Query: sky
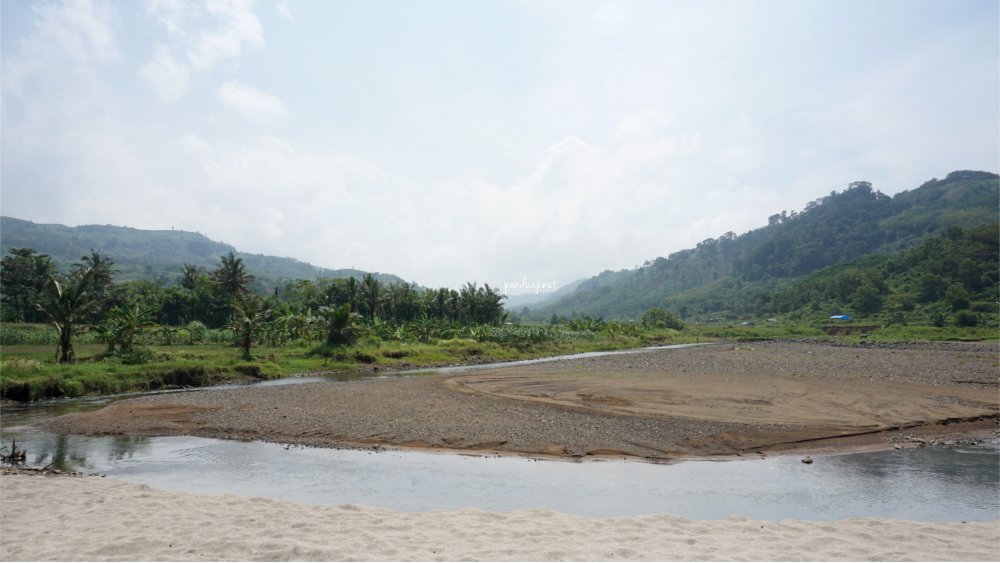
{"x": 501, "y": 142}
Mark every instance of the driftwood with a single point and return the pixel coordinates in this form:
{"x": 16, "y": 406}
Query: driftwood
{"x": 15, "y": 456}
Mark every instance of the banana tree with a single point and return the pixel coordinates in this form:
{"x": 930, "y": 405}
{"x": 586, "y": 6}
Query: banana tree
{"x": 125, "y": 323}
{"x": 249, "y": 316}
{"x": 70, "y": 303}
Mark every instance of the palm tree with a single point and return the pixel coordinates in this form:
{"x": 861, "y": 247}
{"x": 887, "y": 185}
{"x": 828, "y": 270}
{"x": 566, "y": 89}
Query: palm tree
{"x": 469, "y": 305}
{"x": 393, "y": 296}
{"x": 231, "y": 276}
{"x": 371, "y": 288}
{"x": 70, "y": 303}
{"x": 490, "y": 305}
{"x": 352, "y": 293}
{"x": 189, "y": 275}
{"x": 340, "y": 324}
{"x": 103, "y": 274}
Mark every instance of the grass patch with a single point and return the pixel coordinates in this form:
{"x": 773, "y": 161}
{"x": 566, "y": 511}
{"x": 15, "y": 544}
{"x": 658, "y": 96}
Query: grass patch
{"x": 28, "y": 372}
{"x": 897, "y": 333}
{"x": 756, "y": 332}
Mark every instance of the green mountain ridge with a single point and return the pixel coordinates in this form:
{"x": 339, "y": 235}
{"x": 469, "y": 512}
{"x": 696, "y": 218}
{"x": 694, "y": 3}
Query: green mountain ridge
{"x": 141, "y": 254}
{"x": 731, "y": 276}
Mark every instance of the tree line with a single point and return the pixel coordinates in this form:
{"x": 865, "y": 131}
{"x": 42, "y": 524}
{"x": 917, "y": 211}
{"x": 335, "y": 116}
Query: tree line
{"x": 33, "y": 290}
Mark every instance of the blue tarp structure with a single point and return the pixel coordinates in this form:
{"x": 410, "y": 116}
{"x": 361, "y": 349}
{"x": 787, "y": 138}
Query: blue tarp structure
{"x": 841, "y": 317}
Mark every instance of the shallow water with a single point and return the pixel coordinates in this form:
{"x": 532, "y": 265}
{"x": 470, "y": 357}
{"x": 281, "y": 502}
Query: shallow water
{"x": 918, "y": 484}
{"x": 357, "y": 374}
{"x": 580, "y": 356}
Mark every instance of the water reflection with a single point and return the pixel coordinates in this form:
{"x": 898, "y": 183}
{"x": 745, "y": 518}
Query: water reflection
{"x": 77, "y": 453}
{"x": 15, "y": 416}
{"x": 124, "y": 447}
{"x": 943, "y": 465}
{"x": 929, "y": 485}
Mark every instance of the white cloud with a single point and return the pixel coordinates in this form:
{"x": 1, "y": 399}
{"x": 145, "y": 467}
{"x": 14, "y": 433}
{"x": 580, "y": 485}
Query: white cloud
{"x": 81, "y": 29}
{"x": 236, "y": 25}
{"x": 584, "y": 207}
{"x": 173, "y": 15}
{"x": 209, "y": 33}
{"x": 165, "y": 75}
{"x": 284, "y": 12}
{"x": 250, "y": 102}
{"x": 320, "y": 207}
{"x": 74, "y": 35}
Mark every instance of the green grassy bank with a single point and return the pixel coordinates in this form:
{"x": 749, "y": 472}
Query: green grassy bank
{"x": 28, "y": 371}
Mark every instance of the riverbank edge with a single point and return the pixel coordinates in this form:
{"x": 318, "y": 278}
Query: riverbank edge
{"x": 160, "y": 378}
{"x": 929, "y": 435}
{"x": 90, "y": 518}
{"x": 201, "y": 376}
{"x": 923, "y": 433}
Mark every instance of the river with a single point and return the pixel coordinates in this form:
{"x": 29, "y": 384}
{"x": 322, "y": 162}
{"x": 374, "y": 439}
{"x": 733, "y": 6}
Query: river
{"x": 927, "y": 484}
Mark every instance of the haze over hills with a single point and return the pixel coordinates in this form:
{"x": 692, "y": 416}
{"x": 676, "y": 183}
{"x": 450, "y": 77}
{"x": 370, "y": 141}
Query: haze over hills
{"x": 733, "y": 275}
{"x": 787, "y": 266}
{"x": 156, "y": 255}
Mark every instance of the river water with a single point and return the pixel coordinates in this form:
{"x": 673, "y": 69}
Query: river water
{"x": 928, "y": 484}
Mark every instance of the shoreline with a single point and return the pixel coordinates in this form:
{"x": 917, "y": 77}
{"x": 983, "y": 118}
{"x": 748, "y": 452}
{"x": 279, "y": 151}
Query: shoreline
{"x": 90, "y": 518}
{"x": 942, "y": 434}
{"x": 659, "y": 406}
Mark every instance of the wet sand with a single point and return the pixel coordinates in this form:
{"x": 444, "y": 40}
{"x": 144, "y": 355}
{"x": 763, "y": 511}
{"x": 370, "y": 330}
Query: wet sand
{"x": 660, "y": 405}
{"x": 93, "y": 519}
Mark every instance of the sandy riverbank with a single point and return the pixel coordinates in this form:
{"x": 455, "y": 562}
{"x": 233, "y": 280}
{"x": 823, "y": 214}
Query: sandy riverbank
{"x": 667, "y": 404}
{"x": 89, "y": 518}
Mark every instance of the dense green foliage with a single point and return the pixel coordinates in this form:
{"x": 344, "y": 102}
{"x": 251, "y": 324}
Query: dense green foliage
{"x": 221, "y": 297}
{"x": 951, "y": 277}
{"x": 729, "y": 277}
{"x": 25, "y": 274}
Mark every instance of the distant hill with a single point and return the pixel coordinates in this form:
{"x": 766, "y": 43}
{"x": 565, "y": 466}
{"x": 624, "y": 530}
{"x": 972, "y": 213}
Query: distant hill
{"x": 953, "y": 273}
{"x": 731, "y": 276}
{"x": 155, "y": 255}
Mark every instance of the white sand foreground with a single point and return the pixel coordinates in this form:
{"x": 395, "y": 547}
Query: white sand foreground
{"x": 89, "y": 518}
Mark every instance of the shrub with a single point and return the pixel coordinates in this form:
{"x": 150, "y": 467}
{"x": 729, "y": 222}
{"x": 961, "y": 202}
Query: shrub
{"x": 135, "y": 356}
{"x": 27, "y": 334}
{"x": 13, "y": 390}
{"x": 22, "y": 365}
{"x": 396, "y": 354}
{"x": 937, "y": 317}
{"x": 250, "y": 370}
{"x": 196, "y": 332}
{"x": 364, "y": 358}
{"x": 58, "y": 387}
{"x": 966, "y": 317}
{"x": 659, "y": 318}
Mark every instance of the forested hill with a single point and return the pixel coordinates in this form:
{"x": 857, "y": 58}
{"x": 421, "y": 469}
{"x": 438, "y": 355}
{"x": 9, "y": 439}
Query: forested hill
{"x": 154, "y": 255}
{"x": 721, "y": 276}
